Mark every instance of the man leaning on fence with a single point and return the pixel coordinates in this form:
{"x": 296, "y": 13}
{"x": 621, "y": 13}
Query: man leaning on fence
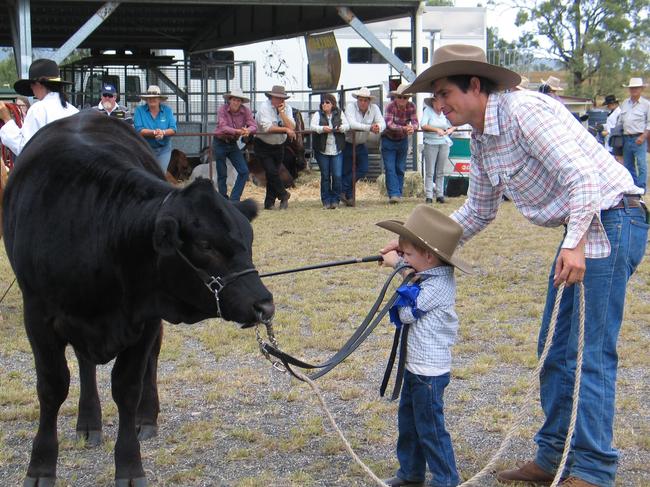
{"x": 635, "y": 118}
{"x": 364, "y": 117}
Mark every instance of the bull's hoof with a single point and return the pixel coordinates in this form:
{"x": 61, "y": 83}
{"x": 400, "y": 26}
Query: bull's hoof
{"x": 92, "y": 438}
{"x": 39, "y": 482}
{"x": 147, "y": 431}
{"x": 137, "y": 482}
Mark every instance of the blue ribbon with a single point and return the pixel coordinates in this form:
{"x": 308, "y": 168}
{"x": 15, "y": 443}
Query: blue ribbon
{"x": 407, "y": 296}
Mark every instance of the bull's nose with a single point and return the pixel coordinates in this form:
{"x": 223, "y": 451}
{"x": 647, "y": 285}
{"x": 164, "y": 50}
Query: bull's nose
{"x": 265, "y": 310}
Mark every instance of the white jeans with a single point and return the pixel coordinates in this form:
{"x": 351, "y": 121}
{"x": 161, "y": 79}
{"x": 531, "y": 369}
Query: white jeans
{"x": 435, "y": 156}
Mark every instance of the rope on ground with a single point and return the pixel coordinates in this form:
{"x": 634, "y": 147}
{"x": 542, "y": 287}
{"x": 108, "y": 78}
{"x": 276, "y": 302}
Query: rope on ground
{"x": 348, "y": 447}
{"x": 8, "y": 289}
{"x": 520, "y": 418}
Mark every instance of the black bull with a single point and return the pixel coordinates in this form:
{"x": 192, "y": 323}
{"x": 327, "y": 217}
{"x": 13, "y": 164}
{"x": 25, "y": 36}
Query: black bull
{"x": 93, "y": 233}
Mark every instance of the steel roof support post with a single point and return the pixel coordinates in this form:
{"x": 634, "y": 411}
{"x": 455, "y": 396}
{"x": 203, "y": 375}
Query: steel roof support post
{"x": 417, "y": 36}
{"x": 88, "y": 28}
{"x": 21, "y": 33}
{"x": 346, "y": 14}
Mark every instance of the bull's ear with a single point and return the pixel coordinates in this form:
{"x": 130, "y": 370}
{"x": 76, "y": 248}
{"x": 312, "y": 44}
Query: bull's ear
{"x": 165, "y": 236}
{"x": 247, "y": 207}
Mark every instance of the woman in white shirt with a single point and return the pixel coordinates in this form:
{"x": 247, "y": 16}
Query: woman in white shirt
{"x": 46, "y": 85}
{"x": 436, "y": 129}
{"x": 329, "y": 124}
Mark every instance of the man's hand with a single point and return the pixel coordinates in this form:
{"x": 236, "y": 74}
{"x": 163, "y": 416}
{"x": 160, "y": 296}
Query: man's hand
{"x": 5, "y": 115}
{"x": 570, "y": 265}
{"x": 290, "y": 133}
{"x": 640, "y": 139}
{"x": 409, "y": 129}
{"x": 374, "y": 128}
{"x": 327, "y": 129}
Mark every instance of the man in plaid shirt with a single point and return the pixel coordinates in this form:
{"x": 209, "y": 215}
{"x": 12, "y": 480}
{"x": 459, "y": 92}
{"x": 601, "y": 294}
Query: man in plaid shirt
{"x": 556, "y": 174}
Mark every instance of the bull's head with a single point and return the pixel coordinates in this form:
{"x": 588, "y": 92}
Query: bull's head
{"x": 200, "y": 235}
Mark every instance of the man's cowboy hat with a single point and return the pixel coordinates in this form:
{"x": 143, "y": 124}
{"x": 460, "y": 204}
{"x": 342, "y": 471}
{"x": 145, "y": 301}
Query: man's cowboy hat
{"x": 236, "y": 93}
{"x": 458, "y": 59}
{"x": 553, "y": 83}
{"x": 277, "y": 92}
{"x": 609, "y": 100}
{"x": 523, "y": 84}
{"x": 402, "y": 90}
{"x": 428, "y": 101}
{"x": 363, "y": 92}
{"x": 39, "y": 70}
{"x": 634, "y": 83}
{"x": 429, "y": 228}
{"x": 153, "y": 92}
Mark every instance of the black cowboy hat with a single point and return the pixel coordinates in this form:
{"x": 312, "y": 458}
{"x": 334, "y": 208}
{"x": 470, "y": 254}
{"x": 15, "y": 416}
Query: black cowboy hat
{"x": 609, "y": 99}
{"x": 39, "y": 70}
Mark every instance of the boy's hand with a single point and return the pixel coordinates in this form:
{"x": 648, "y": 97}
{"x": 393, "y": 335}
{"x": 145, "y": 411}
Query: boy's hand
{"x": 392, "y": 245}
{"x": 390, "y": 259}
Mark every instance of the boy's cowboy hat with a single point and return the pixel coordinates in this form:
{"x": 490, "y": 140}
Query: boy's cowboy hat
{"x": 153, "y": 92}
{"x": 236, "y": 93}
{"x": 427, "y": 227}
{"x": 402, "y": 90}
{"x": 363, "y": 92}
{"x": 609, "y": 99}
{"x": 458, "y": 59}
{"x": 39, "y": 70}
{"x": 553, "y": 83}
{"x": 634, "y": 83}
{"x": 278, "y": 92}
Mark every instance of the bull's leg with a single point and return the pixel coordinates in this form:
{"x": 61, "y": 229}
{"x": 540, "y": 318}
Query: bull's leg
{"x": 149, "y": 407}
{"x": 52, "y": 383}
{"x": 89, "y": 419}
{"x": 127, "y": 377}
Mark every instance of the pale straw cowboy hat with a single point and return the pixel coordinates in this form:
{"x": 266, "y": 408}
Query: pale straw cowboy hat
{"x": 461, "y": 59}
{"x": 153, "y": 92}
{"x": 41, "y": 70}
{"x": 634, "y": 83}
{"x": 553, "y": 83}
{"x": 428, "y": 101}
{"x": 523, "y": 84}
{"x": 402, "y": 90}
{"x": 236, "y": 93}
{"x": 429, "y": 228}
{"x": 363, "y": 92}
{"x": 278, "y": 92}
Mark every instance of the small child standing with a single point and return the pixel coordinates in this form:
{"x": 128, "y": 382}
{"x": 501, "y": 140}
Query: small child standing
{"x": 427, "y": 242}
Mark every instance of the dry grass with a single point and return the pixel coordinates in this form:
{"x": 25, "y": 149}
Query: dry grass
{"x": 229, "y": 419}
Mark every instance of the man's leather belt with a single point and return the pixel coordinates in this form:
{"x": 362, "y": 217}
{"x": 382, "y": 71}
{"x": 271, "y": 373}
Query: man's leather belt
{"x": 633, "y": 201}
{"x": 632, "y": 135}
{"x": 227, "y": 140}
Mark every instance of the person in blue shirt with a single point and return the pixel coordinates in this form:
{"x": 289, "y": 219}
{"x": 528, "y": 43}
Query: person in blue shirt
{"x": 156, "y": 123}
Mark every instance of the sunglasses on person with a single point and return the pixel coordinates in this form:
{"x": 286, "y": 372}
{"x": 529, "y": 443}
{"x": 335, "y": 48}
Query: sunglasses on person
{"x": 108, "y": 95}
{"x": 327, "y": 102}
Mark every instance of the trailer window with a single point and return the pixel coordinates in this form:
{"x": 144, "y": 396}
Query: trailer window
{"x": 404, "y": 53}
{"x": 364, "y": 55}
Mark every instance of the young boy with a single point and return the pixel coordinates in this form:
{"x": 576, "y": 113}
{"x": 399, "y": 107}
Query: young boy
{"x": 427, "y": 242}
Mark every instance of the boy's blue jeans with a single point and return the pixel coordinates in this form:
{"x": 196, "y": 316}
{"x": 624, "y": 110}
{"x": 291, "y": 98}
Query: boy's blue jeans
{"x": 592, "y": 457}
{"x": 394, "y": 153}
{"x": 423, "y": 439}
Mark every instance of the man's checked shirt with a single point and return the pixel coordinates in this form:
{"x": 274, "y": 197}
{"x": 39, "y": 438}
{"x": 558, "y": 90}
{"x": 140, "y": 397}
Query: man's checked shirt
{"x": 554, "y": 171}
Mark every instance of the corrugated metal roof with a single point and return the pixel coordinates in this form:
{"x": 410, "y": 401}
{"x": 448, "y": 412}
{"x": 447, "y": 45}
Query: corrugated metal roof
{"x": 192, "y": 25}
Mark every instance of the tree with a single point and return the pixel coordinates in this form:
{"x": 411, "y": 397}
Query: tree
{"x": 8, "y": 74}
{"x": 440, "y": 3}
{"x": 593, "y": 37}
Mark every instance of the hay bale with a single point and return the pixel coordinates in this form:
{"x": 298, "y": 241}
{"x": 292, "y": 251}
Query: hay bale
{"x": 413, "y": 185}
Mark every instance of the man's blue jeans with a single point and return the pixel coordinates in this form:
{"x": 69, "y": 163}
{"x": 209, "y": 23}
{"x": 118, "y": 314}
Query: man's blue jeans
{"x": 330, "y": 177}
{"x": 592, "y": 457}
{"x": 635, "y": 160}
{"x": 423, "y": 439}
{"x": 361, "y": 168}
{"x": 394, "y": 152}
{"x": 230, "y": 150}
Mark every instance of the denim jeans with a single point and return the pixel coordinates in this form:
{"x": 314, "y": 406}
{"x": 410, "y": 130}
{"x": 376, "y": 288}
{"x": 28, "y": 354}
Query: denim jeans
{"x": 163, "y": 155}
{"x": 230, "y": 150}
{"x": 635, "y": 160}
{"x": 435, "y": 157}
{"x": 271, "y": 157}
{"x": 592, "y": 457}
{"x": 423, "y": 439}
{"x": 330, "y": 177}
{"x": 361, "y": 167}
{"x": 394, "y": 153}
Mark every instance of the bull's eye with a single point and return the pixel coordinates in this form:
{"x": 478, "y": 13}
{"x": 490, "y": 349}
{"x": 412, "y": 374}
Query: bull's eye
{"x": 204, "y": 245}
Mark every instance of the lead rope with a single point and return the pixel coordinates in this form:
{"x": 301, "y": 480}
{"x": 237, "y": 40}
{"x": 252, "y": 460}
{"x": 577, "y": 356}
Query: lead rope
{"x": 488, "y": 469}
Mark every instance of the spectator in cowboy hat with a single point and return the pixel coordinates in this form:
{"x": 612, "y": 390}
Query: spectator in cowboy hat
{"x": 612, "y": 105}
{"x": 44, "y": 83}
{"x": 108, "y": 104}
{"x": 530, "y": 147}
{"x": 155, "y": 121}
{"x": 550, "y": 87}
{"x": 234, "y": 121}
{"x": 364, "y": 117}
{"x": 635, "y": 119}
{"x": 401, "y": 122}
{"x": 523, "y": 84}
{"x": 275, "y": 124}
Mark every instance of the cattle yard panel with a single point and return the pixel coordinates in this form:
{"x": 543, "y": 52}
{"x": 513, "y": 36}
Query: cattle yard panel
{"x": 195, "y": 90}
